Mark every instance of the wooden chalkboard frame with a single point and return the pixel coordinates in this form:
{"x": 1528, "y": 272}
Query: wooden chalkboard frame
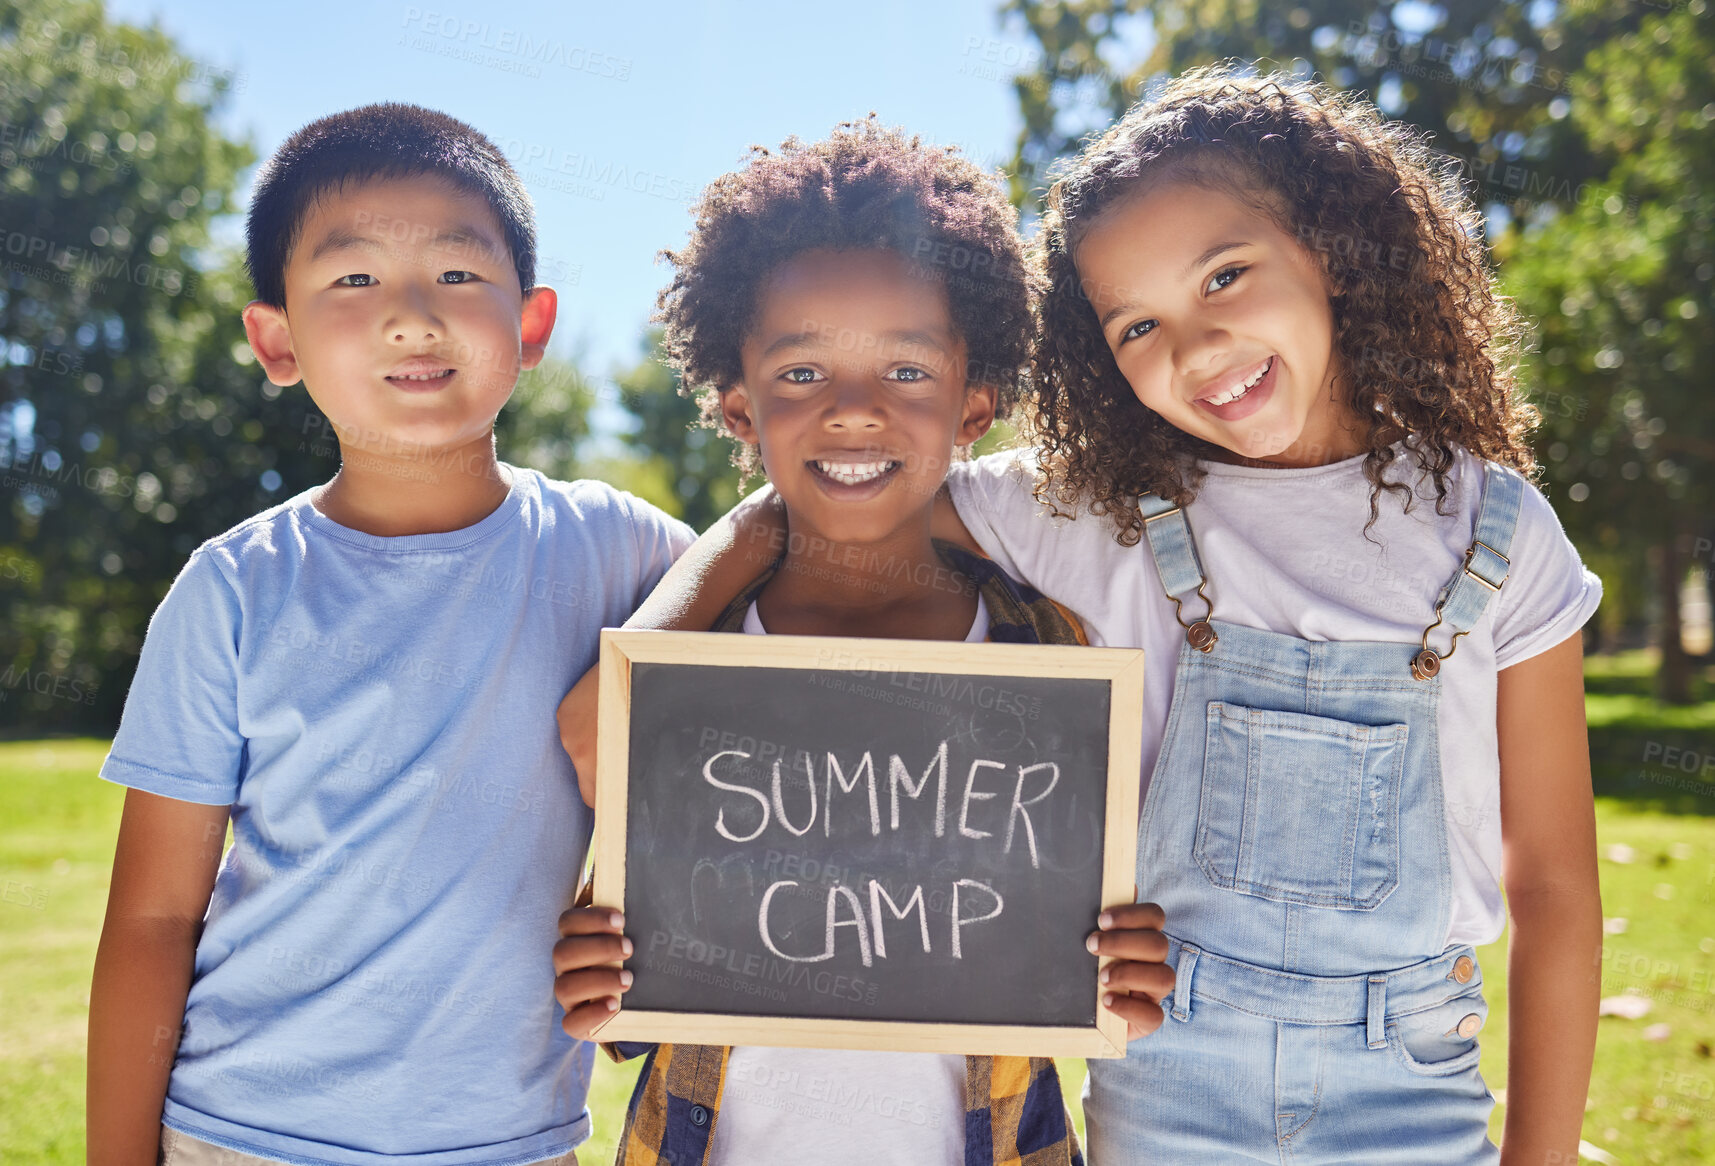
{"x": 1121, "y": 668}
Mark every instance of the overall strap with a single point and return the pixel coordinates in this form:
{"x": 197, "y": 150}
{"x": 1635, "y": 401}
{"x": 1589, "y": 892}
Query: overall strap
{"x": 1176, "y": 562}
{"x": 1466, "y": 596}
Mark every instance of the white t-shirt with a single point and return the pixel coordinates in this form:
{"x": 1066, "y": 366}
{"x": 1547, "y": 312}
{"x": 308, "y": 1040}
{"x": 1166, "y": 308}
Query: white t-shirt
{"x": 841, "y": 1107}
{"x": 1285, "y": 550}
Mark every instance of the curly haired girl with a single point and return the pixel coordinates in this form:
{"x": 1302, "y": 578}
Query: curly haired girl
{"x": 853, "y": 310}
{"x": 1278, "y": 441}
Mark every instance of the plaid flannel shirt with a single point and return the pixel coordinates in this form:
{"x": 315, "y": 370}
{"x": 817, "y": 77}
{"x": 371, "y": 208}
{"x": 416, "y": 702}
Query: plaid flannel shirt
{"x": 1014, "y": 1112}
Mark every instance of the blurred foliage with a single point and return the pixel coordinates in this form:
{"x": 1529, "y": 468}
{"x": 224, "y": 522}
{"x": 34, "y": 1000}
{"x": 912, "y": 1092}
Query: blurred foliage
{"x": 1620, "y": 290}
{"x": 1582, "y": 131}
{"x": 547, "y": 418}
{"x": 127, "y": 431}
{"x": 1491, "y": 81}
{"x": 692, "y": 462}
{"x": 134, "y": 423}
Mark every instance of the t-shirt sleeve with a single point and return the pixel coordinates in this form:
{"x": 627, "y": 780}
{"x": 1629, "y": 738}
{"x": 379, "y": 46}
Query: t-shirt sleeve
{"x": 179, "y": 734}
{"x": 1549, "y": 593}
{"x": 995, "y": 498}
{"x": 661, "y": 539}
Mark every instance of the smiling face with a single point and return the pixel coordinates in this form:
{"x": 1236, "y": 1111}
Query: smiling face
{"x": 1221, "y": 323}
{"x": 404, "y": 317}
{"x": 854, "y": 390}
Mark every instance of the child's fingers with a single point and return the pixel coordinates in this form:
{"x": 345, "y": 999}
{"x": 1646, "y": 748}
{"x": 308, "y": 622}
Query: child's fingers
{"x": 584, "y": 1021}
{"x": 1141, "y": 1016}
{"x": 1145, "y": 946}
{"x": 1145, "y": 979}
{"x": 575, "y": 989}
{"x": 1133, "y": 917}
{"x": 591, "y": 921}
{"x": 589, "y": 951}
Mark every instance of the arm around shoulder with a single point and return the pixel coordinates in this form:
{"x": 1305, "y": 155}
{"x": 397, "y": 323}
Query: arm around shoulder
{"x": 690, "y": 597}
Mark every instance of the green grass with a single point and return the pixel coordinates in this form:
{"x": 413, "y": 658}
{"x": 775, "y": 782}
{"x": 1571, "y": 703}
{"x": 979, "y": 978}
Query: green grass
{"x": 56, "y": 850}
{"x": 1650, "y": 1100}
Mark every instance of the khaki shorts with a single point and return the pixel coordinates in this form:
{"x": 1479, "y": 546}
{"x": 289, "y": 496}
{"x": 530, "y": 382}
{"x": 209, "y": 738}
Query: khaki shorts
{"x": 183, "y": 1150}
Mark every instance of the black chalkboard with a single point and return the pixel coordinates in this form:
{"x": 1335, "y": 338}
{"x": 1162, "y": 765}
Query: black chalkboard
{"x": 935, "y": 853}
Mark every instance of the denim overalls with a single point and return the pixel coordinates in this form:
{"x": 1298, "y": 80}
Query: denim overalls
{"x": 1294, "y": 832}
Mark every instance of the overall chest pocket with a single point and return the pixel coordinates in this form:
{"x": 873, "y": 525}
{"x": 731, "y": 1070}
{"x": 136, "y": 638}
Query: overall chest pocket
{"x": 1299, "y": 808}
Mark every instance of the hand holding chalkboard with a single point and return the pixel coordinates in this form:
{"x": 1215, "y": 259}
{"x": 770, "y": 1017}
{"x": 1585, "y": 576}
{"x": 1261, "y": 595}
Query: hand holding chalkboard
{"x": 1134, "y": 985}
{"x": 588, "y": 981}
{"x": 864, "y": 843}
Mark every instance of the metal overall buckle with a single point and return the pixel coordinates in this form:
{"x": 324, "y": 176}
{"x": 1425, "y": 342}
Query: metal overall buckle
{"x": 1426, "y": 664}
{"x": 1201, "y": 633}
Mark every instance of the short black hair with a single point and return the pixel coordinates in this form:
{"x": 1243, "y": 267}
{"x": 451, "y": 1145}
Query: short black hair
{"x": 388, "y": 140}
{"x": 864, "y": 187}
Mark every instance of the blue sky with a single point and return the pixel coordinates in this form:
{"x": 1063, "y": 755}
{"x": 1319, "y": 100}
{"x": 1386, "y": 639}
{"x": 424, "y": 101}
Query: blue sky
{"x": 616, "y": 115}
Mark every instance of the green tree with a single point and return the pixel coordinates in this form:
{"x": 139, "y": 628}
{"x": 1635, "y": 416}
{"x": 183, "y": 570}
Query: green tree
{"x": 1490, "y": 81}
{"x": 693, "y": 463}
{"x": 546, "y": 421}
{"x": 134, "y": 423}
{"x": 127, "y": 431}
{"x": 1621, "y": 291}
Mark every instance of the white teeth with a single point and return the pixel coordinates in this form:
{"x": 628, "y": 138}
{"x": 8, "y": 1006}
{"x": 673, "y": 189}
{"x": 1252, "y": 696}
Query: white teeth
{"x": 422, "y": 376}
{"x": 855, "y": 474}
{"x": 1238, "y": 391}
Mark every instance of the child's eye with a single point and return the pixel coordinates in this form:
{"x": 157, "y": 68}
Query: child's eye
{"x": 457, "y": 276}
{"x": 908, "y": 375}
{"x": 801, "y": 376}
{"x": 1224, "y": 278}
{"x": 1141, "y": 328}
{"x": 357, "y": 279}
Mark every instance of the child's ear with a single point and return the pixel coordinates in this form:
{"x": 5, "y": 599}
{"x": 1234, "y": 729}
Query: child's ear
{"x": 980, "y": 404}
{"x": 735, "y": 411}
{"x": 271, "y": 340}
{"x": 541, "y": 306}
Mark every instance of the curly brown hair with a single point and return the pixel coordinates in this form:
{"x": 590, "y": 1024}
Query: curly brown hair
{"x": 864, "y": 187}
{"x": 1425, "y": 346}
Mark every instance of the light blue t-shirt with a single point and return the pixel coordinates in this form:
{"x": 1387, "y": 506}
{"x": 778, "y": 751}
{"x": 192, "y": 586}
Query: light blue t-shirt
{"x": 374, "y": 981}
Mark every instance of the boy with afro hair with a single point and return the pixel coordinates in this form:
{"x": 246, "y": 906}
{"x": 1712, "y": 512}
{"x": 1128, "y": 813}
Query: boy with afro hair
{"x": 853, "y": 311}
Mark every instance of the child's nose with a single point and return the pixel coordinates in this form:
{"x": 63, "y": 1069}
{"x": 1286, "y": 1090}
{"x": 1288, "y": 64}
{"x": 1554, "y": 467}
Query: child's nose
{"x": 414, "y": 319}
{"x": 855, "y": 405}
{"x": 1203, "y": 348}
